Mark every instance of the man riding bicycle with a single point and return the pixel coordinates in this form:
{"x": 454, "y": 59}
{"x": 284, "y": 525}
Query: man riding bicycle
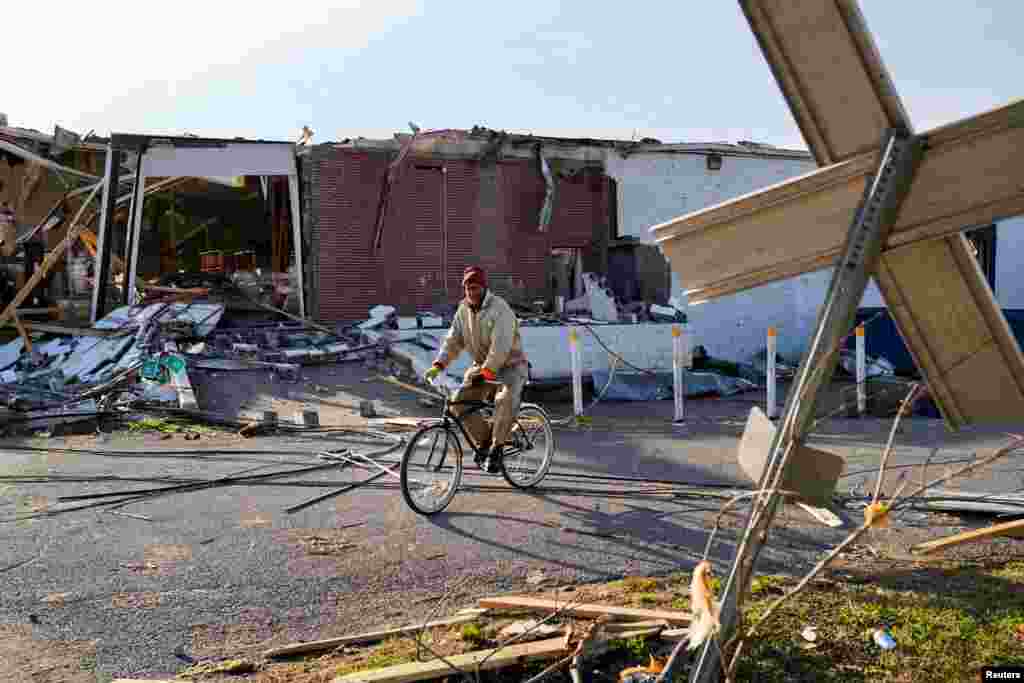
{"x": 487, "y": 327}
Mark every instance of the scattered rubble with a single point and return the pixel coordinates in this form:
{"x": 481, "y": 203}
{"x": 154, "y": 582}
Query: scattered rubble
{"x": 140, "y": 356}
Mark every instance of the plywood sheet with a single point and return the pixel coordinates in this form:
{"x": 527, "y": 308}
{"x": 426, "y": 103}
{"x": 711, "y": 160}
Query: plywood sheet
{"x": 955, "y": 331}
{"x": 830, "y": 72}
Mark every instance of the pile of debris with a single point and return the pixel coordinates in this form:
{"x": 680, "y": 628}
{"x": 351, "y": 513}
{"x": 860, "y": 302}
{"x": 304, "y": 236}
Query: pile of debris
{"x": 573, "y": 634}
{"x": 141, "y": 355}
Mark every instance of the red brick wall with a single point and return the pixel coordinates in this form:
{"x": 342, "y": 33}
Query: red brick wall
{"x": 413, "y": 269}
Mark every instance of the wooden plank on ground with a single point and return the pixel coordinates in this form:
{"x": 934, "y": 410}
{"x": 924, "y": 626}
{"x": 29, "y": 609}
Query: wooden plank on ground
{"x": 435, "y": 668}
{"x": 373, "y": 636}
{"x": 1015, "y": 528}
{"x": 583, "y": 609}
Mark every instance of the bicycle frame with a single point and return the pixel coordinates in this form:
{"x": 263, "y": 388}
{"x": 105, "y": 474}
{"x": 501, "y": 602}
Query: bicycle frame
{"x": 448, "y": 418}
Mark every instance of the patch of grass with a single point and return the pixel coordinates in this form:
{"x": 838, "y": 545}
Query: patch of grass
{"x": 945, "y": 628}
{"x": 765, "y": 584}
{"x": 647, "y": 599}
{"x": 379, "y": 660}
{"x": 681, "y": 602}
{"x": 634, "y": 647}
{"x": 153, "y": 424}
{"x": 388, "y": 653}
{"x": 472, "y": 633}
{"x": 164, "y": 425}
{"x": 637, "y": 584}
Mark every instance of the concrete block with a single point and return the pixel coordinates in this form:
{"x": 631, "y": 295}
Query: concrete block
{"x": 367, "y": 409}
{"x": 308, "y": 418}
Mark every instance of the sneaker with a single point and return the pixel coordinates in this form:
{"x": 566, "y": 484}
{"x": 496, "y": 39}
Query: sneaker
{"x": 492, "y": 465}
{"x": 480, "y": 455}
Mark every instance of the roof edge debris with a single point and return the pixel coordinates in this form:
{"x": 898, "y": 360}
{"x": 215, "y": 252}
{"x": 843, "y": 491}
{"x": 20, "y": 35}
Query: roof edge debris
{"x": 478, "y": 136}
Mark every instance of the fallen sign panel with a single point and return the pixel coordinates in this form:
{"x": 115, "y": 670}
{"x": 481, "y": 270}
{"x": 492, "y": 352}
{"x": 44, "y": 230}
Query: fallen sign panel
{"x": 485, "y": 659}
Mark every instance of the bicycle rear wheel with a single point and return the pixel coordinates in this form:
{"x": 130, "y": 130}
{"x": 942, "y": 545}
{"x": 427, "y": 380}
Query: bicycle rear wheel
{"x": 431, "y": 469}
{"x": 531, "y": 448}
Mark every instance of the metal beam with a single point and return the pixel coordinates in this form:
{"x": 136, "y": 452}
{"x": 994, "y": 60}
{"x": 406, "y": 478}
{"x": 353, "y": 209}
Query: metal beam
{"x": 135, "y": 232}
{"x": 874, "y": 219}
{"x": 293, "y": 195}
{"x": 102, "y": 264}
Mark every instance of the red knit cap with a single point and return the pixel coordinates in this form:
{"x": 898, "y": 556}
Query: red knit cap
{"x": 474, "y": 275}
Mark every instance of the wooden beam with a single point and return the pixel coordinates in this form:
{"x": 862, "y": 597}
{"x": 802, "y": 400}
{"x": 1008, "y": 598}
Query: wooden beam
{"x": 48, "y": 262}
{"x": 435, "y": 668}
{"x": 583, "y": 610}
{"x": 1015, "y": 528}
{"x": 373, "y": 636}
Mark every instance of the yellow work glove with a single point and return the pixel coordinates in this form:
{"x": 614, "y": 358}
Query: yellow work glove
{"x": 431, "y": 374}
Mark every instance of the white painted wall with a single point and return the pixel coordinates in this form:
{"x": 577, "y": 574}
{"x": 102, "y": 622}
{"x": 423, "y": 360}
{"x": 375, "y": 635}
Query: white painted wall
{"x": 647, "y": 346}
{"x": 657, "y": 187}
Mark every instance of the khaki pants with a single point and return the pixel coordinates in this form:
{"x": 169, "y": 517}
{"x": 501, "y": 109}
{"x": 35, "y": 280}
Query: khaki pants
{"x": 506, "y": 404}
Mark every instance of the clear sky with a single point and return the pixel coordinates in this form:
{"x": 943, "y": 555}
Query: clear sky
{"x": 685, "y": 71}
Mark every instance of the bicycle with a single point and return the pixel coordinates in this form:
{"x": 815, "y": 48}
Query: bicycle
{"x": 427, "y": 472}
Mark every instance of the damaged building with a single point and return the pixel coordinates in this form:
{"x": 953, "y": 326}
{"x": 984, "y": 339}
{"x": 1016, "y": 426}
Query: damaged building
{"x": 395, "y": 221}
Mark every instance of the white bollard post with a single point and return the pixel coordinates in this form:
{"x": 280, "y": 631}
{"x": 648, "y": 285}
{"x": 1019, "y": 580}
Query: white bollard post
{"x": 577, "y": 373}
{"x": 678, "y": 389}
{"x": 862, "y": 392}
{"x": 770, "y": 379}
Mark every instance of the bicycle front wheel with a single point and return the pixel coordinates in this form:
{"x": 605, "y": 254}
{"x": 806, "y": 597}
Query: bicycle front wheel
{"x": 531, "y": 448}
{"x": 431, "y": 469}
